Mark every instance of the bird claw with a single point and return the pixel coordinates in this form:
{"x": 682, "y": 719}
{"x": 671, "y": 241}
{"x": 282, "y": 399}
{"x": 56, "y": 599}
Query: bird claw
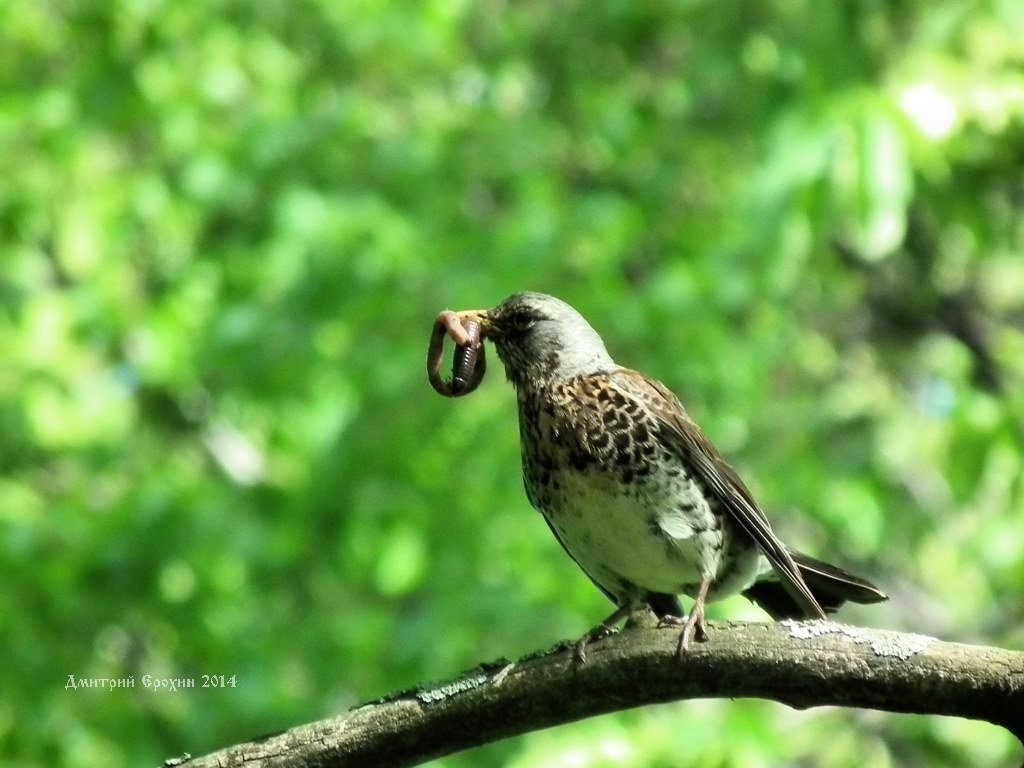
{"x": 601, "y": 631}
{"x": 579, "y": 651}
{"x": 693, "y": 626}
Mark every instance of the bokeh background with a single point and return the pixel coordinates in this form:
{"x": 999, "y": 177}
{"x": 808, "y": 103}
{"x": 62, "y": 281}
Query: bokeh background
{"x": 225, "y": 230}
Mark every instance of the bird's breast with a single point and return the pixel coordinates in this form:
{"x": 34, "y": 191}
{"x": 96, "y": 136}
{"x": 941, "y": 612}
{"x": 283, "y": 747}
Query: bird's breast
{"x": 624, "y": 505}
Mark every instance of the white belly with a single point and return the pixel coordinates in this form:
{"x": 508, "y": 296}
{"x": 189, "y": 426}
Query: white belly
{"x": 659, "y": 536}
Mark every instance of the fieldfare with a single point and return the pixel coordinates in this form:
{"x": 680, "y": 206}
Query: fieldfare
{"x": 634, "y": 491}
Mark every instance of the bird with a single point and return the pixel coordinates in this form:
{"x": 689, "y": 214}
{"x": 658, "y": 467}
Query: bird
{"x": 634, "y": 491}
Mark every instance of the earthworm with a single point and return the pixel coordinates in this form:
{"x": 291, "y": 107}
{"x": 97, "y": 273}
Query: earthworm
{"x": 469, "y": 362}
{"x": 465, "y": 359}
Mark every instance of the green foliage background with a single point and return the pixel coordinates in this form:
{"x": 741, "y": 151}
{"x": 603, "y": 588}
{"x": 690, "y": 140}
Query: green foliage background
{"x": 226, "y": 227}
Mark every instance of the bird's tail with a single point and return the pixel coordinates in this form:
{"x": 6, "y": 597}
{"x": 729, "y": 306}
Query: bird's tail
{"x": 831, "y": 586}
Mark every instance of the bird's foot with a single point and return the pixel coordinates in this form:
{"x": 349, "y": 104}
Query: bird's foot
{"x": 599, "y": 632}
{"x": 693, "y": 626}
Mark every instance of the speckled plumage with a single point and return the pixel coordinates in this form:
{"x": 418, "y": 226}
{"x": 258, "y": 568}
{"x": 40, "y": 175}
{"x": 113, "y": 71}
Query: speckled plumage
{"x": 620, "y": 499}
{"x": 632, "y": 489}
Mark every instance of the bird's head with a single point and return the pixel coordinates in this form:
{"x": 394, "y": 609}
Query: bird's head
{"x": 541, "y": 339}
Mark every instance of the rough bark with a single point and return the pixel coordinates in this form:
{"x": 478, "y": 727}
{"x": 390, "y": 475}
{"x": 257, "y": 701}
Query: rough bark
{"x": 802, "y": 664}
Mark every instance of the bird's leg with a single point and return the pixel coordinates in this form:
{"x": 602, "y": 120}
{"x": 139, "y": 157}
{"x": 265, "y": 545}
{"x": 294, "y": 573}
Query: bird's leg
{"x": 693, "y": 624}
{"x": 602, "y": 630}
{"x": 695, "y": 621}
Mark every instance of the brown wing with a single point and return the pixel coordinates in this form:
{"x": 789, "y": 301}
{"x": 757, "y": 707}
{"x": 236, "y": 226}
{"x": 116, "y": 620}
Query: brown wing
{"x": 717, "y": 476}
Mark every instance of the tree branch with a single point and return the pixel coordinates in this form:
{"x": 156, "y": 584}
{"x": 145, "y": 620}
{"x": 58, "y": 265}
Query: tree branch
{"x": 802, "y": 664}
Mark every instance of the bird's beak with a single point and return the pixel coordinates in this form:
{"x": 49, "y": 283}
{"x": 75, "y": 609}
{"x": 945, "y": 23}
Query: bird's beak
{"x": 481, "y": 316}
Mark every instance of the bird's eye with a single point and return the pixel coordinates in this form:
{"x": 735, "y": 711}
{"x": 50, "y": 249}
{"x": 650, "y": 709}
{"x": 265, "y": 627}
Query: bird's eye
{"x": 521, "y": 320}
